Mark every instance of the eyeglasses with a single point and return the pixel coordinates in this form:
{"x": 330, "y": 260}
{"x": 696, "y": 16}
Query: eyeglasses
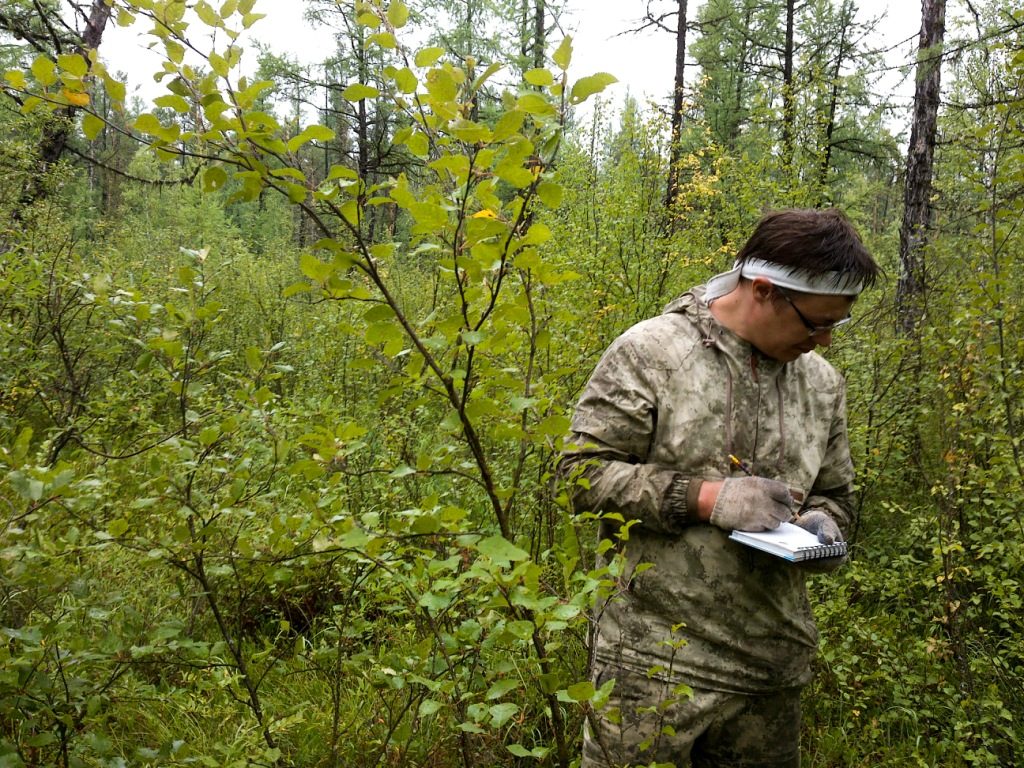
{"x": 812, "y": 329}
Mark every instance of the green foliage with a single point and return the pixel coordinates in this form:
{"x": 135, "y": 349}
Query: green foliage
{"x": 279, "y": 492}
{"x": 408, "y": 550}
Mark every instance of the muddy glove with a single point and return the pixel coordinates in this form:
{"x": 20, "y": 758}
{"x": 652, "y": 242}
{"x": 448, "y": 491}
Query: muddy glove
{"x": 752, "y": 504}
{"x": 824, "y": 527}
{"x": 821, "y": 525}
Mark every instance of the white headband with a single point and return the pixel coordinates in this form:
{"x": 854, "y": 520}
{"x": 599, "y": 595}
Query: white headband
{"x": 827, "y": 283}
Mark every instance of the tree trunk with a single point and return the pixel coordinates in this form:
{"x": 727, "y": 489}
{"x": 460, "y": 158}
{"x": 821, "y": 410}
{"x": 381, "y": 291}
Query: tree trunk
{"x": 845, "y": 19}
{"x": 917, "y": 209}
{"x": 677, "y": 105}
{"x": 57, "y": 129}
{"x": 739, "y": 103}
{"x": 788, "y": 100}
{"x": 539, "y": 33}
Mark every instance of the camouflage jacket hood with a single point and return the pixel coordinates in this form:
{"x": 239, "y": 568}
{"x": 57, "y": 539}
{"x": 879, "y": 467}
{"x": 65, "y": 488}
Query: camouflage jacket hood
{"x": 675, "y": 395}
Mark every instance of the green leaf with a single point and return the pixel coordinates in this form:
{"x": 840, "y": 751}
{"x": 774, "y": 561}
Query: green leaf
{"x": 508, "y": 124}
{"x": 554, "y": 426}
{"x": 550, "y": 193}
{"x": 91, "y": 126}
{"x": 581, "y": 691}
{"x": 73, "y": 64}
{"x": 43, "y": 739}
{"x": 429, "y": 707}
{"x": 469, "y": 131}
{"x": 493, "y": 69}
{"x": 207, "y": 15}
{"x": 535, "y": 104}
{"x": 313, "y": 268}
{"x": 115, "y": 88}
{"x": 539, "y": 77}
{"x": 359, "y": 91}
{"x": 385, "y": 40}
{"x": 296, "y": 192}
{"x": 208, "y": 436}
{"x": 434, "y": 602}
{"x": 519, "y": 750}
{"x": 172, "y": 101}
{"x": 501, "y": 713}
{"x": 563, "y": 54}
{"x": 501, "y": 550}
{"x": 406, "y": 80}
{"x": 418, "y": 143}
{"x": 350, "y": 211}
{"x": 214, "y": 178}
{"x": 428, "y": 56}
{"x": 295, "y": 289}
{"x": 586, "y": 87}
{"x": 441, "y": 85}
{"x": 253, "y": 358}
{"x": 341, "y": 172}
{"x": 175, "y": 50}
{"x": 148, "y": 123}
{"x": 537, "y": 233}
{"x": 319, "y": 133}
{"x": 398, "y": 14}
{"x": 44, "y": 70}
{"x": 16, "y": 78}
{"x": 219, "y": 64}
{"x": 288, "y": 173}
{"x": 368, "y": 20}
{"x": 382, "y": 333}
{"x": 30, "y": 105}
{"x": 501, "y": 687}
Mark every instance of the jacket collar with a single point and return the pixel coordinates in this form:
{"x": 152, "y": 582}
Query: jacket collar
{"x": 715, "y": 335}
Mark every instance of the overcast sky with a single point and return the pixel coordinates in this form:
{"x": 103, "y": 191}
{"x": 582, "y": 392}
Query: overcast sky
{"x": 643, "y": 63}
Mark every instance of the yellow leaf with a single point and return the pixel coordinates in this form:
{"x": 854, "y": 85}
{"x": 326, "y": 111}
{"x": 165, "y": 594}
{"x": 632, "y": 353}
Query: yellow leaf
{"x": 76, "y": 99}
{"x": 486, "y": 213}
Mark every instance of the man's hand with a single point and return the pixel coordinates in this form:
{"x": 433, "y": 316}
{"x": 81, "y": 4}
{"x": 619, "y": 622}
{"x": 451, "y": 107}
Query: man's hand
{"x": 821, "y": 525}
{"x": 751, "y": 504}
{"x": 824, "y": 527}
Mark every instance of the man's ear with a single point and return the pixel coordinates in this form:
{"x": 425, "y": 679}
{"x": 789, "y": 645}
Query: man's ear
{"x": 762, "y": 289}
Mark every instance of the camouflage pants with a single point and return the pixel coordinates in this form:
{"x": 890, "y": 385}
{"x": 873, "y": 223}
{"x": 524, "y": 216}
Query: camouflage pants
{"x": 708, "y": 729}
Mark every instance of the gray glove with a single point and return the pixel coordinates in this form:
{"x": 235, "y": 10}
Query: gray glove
{"x": 821, "y": 525}
{"x": 824, "y": 527}
{"x": 752, "y": 504}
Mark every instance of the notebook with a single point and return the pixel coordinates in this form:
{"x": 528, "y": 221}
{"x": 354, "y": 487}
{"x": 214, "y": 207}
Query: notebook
{"x": 790, "y": 542}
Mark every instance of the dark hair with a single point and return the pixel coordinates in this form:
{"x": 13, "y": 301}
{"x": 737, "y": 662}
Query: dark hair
{"x": 812, "y": 240}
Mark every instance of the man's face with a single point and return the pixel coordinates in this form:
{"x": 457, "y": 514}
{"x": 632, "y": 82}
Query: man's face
{"x": 797, "y": 323}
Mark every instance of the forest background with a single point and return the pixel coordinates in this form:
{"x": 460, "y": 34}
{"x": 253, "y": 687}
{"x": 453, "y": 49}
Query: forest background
{"x": 288, "y": 357}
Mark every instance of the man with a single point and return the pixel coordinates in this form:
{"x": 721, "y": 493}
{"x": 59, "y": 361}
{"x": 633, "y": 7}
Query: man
{"x": 710, "y": 642}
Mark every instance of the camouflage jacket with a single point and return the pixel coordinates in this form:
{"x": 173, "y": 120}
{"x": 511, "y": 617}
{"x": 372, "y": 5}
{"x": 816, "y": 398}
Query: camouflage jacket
{"x": 677, "y": 394}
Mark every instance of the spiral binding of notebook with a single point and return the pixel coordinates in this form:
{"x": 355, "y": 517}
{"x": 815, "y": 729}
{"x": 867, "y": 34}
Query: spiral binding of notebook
{"x": 790, "y": 542}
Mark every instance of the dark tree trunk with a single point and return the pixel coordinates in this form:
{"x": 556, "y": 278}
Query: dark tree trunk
{"x": 679, "y": 84}
{"x": 57, "y": 129}
{"x": 833, "y": 103}
{"x": 917, "y": 209}
{"x": 788, "y": 100}
{"x": 539, "y": 33}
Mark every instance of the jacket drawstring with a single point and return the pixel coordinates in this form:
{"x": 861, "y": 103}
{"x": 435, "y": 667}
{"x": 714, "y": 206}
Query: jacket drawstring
{"x": 781, "y": 462}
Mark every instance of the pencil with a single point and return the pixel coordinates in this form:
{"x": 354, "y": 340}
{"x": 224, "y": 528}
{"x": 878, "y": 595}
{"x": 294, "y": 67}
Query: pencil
{"x": 740, "y": 464}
